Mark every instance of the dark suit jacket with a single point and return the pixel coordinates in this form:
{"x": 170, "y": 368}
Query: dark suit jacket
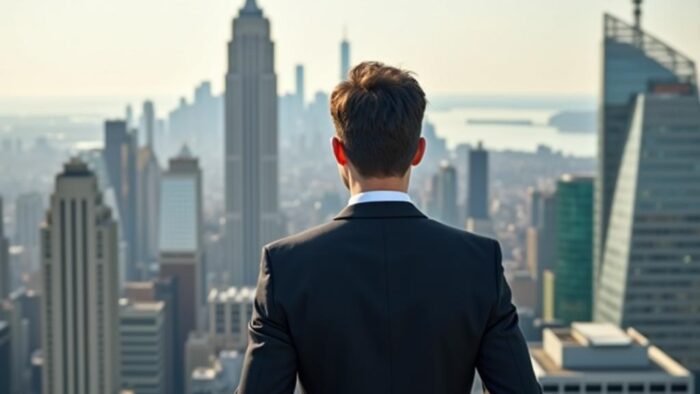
{"x": 384, "y": 300}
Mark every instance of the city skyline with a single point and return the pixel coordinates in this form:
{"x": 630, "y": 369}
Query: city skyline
{"x": 139, "y": 61}
{"x": 153, "y": 235}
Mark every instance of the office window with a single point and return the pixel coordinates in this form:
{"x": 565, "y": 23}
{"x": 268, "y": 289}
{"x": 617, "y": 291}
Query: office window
{"x": 594, "y": 388}
{"x": 550, "y": 388}
{"x": 614, "y": 388}
{"x": 636, "y": 388}
{"x": 657, "y": 388}
{"x": 679, "y": 388}
{"x": 572, "y": 388}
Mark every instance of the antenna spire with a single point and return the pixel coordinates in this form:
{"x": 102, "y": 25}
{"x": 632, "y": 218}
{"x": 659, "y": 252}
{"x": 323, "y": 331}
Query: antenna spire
{"x": 637, "y": 14}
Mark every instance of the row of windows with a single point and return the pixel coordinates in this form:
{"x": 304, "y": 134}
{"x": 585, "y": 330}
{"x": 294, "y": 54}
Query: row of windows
{"x": 617, "y": 388}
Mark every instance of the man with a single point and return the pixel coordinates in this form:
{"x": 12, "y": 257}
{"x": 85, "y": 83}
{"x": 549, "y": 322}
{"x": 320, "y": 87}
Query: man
{"x": 383, "y": 299}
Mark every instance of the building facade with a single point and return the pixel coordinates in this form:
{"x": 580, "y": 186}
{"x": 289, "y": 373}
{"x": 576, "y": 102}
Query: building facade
{"x": 573, "y": 294}
{"x": 147, "y": 210}
{"x": 29, "y": 213}
{"x": 229, "y": 313}
{"x": 478, "y": 184}
{"x": 120, "y": 160}
{"x": 80, "y": 288}
{"x": 181, "y": 255}
{"x": 144, "y": 344}
{"x": 650, "y": 273}
{"x": 5, "y": 274}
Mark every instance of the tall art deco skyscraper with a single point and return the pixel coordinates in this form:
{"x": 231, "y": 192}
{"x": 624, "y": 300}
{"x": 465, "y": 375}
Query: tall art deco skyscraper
{"x": 79, "y": 303}
{"x": 252, "y": 214}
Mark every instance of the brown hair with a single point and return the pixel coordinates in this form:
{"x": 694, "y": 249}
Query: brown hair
{"x": 378, "y": 113}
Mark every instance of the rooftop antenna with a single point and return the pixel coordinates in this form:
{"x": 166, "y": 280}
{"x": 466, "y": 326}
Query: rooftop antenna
{"x": 637, "y": 14}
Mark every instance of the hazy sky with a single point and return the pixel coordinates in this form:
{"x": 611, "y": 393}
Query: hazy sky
{"x": 156, "y": 48}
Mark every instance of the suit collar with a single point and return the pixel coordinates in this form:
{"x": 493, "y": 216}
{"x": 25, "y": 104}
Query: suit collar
{"x": 383, "y": 209}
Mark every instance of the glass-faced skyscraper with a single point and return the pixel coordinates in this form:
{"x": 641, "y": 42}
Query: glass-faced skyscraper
{"x": 573, "y": 297}
{"x": 633, "y": 60}
{"x": 650, "y": 272}
{"x": 478, "y": 189}
{"x": 252, "y": 213}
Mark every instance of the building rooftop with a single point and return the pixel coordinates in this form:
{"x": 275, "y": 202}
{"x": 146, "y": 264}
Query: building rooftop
{"x": 141, "y": 306}
{"x": 232, "y": 294}
{"x": 599, "y": 348}
{"x": 682, "y": 66}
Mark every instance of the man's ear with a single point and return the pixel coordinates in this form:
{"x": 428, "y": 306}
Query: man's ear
{"x": 419, "y": 152}
{"x": 339, "y": 151}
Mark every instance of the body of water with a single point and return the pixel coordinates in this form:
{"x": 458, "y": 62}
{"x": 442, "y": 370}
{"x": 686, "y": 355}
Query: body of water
{"x": 451, "y": 124}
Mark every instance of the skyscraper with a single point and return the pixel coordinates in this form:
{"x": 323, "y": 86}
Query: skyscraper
{"x": 120, "y": 158}
{"x": 447, "y": 195}
{"x": 181, "y": 254}
{"x": 165, "y": 291}
{"x": 541, "y": 243}
{"x": 148, "y": 198}
{"x": 11, "y": 312}
{"x": 478, "y": 184}
{"x": 29, "y": 213}
{"x": 143, "y": 336}
{"x": 650, "y": 272}
{"x": 344, "y": 58}
{"x": 573, "y": 297}
{"x": 80, "y": 302}
{"x": 5, "y": 280}
{"x": 252, "y": 214}
{"x": 632, "y": 61}
{"x": 149, "y": 122}
{"x": 4, "y": 356}
{"x": 299, "y": 85}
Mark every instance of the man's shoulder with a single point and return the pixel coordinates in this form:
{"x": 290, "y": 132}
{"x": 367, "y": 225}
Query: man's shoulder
{"x": 312, "y": 236}
{"x": 473, "y": 242}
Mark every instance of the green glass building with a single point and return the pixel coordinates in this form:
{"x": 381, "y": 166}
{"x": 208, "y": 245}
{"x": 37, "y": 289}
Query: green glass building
{"x": 573, "y": 288}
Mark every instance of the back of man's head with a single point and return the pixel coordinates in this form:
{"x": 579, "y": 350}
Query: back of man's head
{"x": 378, "y": 113}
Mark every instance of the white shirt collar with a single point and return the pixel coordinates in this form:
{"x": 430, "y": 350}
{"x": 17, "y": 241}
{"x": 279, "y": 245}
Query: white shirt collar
{"x": 379, "y": 195}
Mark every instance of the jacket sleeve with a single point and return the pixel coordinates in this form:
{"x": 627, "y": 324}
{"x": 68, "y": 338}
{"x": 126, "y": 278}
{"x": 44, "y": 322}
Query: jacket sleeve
{"x": 504, "y": 361}
{"x": 270, "y": 365}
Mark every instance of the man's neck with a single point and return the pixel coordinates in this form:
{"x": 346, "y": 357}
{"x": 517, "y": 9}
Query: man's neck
{"x": 379, "y": 184}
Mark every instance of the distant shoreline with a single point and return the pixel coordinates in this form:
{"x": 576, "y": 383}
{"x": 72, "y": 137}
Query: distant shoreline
{"x": 501, "y": 122}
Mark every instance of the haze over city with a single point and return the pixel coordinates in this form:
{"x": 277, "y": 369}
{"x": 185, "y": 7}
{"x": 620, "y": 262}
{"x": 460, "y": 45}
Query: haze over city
{"x": 133, "y": 49}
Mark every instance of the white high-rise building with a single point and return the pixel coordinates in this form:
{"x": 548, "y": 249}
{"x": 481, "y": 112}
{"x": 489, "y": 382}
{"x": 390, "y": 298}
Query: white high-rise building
{"x": 79, "y": 302}
{"x": 252, "y": 212}
{"x": 143, "y": 342}
{"x": 650, "y": 272}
